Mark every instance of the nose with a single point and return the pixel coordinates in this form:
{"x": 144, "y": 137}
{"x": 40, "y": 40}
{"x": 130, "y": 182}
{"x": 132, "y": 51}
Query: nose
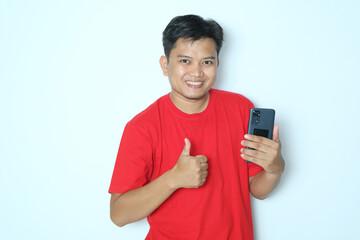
{"x": 196, "y": 71}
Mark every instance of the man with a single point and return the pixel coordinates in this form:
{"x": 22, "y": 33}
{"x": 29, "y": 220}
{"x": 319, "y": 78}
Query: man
{"x": 181, "y": 162}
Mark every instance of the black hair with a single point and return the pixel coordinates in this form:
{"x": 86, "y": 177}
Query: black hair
{"x": 191, "y": 27}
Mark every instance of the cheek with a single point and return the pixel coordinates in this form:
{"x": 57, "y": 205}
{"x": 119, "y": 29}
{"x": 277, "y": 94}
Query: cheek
{"x": 178, "y": 72}
{"x": 175, "y": 77}
{"x": 212, "y": 74}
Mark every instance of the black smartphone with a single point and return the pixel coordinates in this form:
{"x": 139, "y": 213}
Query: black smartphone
{"x": 261, "y": 122}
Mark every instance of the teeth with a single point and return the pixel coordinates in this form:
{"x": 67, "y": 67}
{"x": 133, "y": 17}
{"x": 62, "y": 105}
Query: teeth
{"x": 194, "y": 83}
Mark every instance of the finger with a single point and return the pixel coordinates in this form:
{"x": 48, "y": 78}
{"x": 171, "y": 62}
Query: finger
{"x": 202, "y": 182}
{"x": 252, "y": 159}
{"x": 186, "y": 150}
{"x": 259, "y": 139}
{"x": 254, "y": 153}
{"x": 256, "y": 145}
{"x": 204, "y": 166}
{"x": 201, "y": 158}
{"x": 204, "y": 174}
{"x": 276, "y": 133}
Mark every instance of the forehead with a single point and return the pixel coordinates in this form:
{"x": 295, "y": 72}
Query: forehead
{"x": 202, "y": 46}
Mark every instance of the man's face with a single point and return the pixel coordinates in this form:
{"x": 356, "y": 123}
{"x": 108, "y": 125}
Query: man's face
{"x": 191, "y": 68}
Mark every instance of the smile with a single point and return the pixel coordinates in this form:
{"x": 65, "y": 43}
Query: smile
{"x": 191, "y": 83}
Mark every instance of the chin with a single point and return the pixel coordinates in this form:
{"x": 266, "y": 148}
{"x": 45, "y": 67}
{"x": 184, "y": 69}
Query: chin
{"x": 196, "y": 96}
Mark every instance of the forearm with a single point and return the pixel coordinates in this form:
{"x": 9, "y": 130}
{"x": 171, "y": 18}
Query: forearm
{"x": 139, "y": 203}
{"x": 263, "y": 184}
{"x": 136, "y": 204}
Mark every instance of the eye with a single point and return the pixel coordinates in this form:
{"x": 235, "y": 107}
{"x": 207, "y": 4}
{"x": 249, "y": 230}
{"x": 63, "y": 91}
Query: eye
{"x": 207, "y": 62}
{"x": 185, "y": 61}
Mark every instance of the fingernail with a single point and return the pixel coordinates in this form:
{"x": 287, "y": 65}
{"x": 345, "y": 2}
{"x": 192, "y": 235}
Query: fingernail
{"x": 241, "y": 150}
{"x": 242, "y": 142}
{"x": 246, "y": 136}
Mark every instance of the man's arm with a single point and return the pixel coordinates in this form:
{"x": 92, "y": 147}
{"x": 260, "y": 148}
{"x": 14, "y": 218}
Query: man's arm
{"x": 267, "y": 154}
{"x": 136, "y": 204}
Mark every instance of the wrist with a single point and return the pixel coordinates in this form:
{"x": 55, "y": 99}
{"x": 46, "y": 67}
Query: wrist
{"x": 277, "y": 170}
{"x": 275, "y": 174}
{"x": 170, "y": 180}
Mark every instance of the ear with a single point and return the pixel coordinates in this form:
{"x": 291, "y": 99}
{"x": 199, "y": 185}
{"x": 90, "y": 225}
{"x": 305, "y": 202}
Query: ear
{"x": 163, "y": 64}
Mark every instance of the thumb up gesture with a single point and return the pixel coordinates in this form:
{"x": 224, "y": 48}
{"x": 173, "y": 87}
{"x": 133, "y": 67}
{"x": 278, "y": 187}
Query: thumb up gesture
{"x": 189, "y": 171}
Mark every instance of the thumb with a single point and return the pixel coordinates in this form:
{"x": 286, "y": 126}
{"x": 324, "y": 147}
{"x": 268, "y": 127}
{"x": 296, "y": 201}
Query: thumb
{"x": 186, "y": 150}
{"x": 276, "y": 133}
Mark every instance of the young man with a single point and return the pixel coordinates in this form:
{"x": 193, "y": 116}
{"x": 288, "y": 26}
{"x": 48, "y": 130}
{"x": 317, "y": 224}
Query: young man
{"x": 181, "y": 162}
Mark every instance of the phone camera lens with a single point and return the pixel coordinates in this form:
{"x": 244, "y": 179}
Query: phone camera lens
{"x": 256, "y": 115}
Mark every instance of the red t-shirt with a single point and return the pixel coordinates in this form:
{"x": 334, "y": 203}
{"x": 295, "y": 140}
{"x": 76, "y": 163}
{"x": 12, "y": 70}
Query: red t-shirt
{"x": 151, "y": 145}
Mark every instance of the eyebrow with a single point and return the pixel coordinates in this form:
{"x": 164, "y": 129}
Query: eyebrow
{"x": 185, "y": 56}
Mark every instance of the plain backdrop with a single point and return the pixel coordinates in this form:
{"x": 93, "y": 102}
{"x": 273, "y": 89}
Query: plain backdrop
{"x": 73, "y": 73}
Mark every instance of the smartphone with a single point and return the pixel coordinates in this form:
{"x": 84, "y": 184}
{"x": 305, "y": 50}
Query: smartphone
{"x": 261, "y": 122}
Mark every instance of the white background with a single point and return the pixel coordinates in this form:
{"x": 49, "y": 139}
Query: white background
{"x": 72, "y": 73}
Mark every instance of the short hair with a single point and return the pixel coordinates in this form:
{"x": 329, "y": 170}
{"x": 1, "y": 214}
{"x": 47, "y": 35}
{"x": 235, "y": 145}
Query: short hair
{"x": 191, "y": 27}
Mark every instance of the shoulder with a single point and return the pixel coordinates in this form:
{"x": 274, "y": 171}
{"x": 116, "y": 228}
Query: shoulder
{"x": 234, "y": 107}
{"x": 148, "y": 117}
{"x": 231, "y": 98}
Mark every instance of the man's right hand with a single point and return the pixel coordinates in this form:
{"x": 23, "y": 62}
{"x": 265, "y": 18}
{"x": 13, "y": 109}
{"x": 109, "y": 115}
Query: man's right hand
{"x": 138, "y": 203}
{"x": 189, "y": 171}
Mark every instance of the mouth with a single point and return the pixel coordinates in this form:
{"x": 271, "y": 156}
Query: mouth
{"x": 194, "y": 84}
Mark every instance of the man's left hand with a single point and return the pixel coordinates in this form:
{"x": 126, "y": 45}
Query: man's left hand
{"x": 265, "y": 152}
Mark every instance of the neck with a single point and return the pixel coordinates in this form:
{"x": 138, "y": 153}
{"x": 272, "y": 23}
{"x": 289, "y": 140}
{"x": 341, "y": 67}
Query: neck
{"x": 190, "y": 106}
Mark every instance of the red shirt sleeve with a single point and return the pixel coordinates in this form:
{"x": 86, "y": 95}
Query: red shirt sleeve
{"x": 253, "y": 169}
{"x": 133, "y": 166}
